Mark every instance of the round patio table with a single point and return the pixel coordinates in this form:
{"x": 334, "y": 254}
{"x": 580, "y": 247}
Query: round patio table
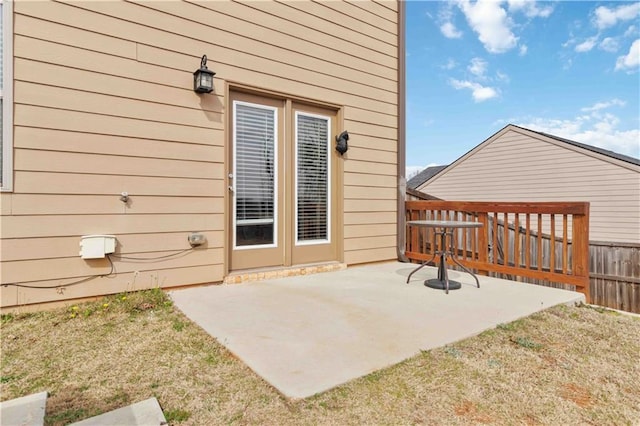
{"x": 444, "y": 228}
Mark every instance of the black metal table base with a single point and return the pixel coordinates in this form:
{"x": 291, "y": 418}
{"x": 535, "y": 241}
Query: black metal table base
{"x": 443, "y": 282}
{"x": 442, "y": 285}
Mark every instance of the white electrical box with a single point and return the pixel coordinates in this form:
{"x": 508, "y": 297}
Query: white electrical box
{"x": 97, "y": 246}
{"x": 196, "y": 239}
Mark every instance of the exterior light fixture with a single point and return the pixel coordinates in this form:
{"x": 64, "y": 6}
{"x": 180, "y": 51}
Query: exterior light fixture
{"x": 203, "y": 78}
{"x": 341, "y": 142}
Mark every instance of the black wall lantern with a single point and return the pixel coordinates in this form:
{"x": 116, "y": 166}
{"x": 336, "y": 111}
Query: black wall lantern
{"x": 341, "y": 142}
{"x": 203, "y": 78}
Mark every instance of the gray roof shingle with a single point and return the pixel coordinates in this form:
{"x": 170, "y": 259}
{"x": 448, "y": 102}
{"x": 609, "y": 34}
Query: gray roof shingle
{"x": 423, "y": 176}
{"x": 592, "y": 148}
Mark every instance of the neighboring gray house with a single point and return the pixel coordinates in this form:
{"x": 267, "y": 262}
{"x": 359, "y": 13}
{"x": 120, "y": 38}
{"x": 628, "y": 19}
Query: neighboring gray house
{"x": 424, "y": 176}
{"x": 518, "y": 164}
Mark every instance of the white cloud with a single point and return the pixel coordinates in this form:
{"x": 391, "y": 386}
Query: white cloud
{"x": 631, "y": 60}
{"x": 450, "y": 31}
{"x": 478, "y": 67}
{"x": 451, "y": 64}
{"x": 479, "y": 92}
{"x": 445, "y": 13}
{"x": 572, "y": 40}
{"x": 594, "y": 127}
{"x": 445, "y": 19}
{"x": 609, "y": 44}
{"x": 604, "y": 105}
{"x": 517, "y": 4}
{"x": 502, "y": 77}
{"x": 543, "y": 12}
{"x": 631, "y": 31}
{"x": 523, "y": 50}
{"x": 606, "y": 17}
{"x": 530, "y": 8}
{"x": 587, "y": 45}
{"x": 490, "y": 21}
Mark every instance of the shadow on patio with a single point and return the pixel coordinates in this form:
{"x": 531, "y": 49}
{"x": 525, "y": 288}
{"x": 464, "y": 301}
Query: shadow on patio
{"x": 307, "y": 334}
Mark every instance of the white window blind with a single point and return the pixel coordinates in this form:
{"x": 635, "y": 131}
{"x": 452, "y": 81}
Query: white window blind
{"x": 254, "y": 177}
{"x": 312, "y": 180}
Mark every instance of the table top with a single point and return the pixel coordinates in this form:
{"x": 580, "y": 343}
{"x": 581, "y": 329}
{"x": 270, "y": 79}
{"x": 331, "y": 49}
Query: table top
{"x": 444, "y": 223}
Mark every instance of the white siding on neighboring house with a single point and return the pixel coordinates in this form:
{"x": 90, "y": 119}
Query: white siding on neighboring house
{"x": 520, "y": 165}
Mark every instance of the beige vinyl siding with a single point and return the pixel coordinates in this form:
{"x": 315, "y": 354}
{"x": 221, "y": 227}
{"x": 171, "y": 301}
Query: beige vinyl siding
{"x": 375, "y": 9}
{"x": 132, "y": 281}
{"x": 104, "y": 104}
{"x": 67, "y": 247}
{"x": 380, "y": 146}
{"x": 75, "y": 141}
{"x": 520, "y": 166}
{"x": 355, "y": 166}
{"x": 32, "y": 226}
{"x": 46, "y": 204}
{"x": 363, "y": 192}
{"x": 48, "y": 269}
{"x": 390, "y": 4}
{"x": 67, "y": 183}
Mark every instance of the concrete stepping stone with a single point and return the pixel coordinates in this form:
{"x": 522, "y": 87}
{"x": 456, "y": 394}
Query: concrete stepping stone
{"x": 25, "y": 411}
{"x": 143, "y": 413}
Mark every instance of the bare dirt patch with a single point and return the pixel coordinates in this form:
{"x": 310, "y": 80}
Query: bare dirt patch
{"x": 470, "y": 411}
{"x": 577, "y": 394}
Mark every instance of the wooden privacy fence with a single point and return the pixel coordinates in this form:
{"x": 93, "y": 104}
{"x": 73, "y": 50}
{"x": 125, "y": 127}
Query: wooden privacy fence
{"x": 615, "y": 275}
{"x": 519, "y": 249}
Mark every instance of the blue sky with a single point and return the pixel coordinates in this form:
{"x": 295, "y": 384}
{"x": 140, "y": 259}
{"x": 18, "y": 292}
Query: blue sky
{"x": 569, "y": 68}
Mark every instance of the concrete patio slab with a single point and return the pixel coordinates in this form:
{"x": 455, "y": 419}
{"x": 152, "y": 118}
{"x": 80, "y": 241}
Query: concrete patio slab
{"x": 143, "y": 413}
{"x": 307, "y": 334}
{"x": 26, "y": 411}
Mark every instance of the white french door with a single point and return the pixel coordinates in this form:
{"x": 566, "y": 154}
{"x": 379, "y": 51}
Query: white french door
{"x": 281, "y": 179}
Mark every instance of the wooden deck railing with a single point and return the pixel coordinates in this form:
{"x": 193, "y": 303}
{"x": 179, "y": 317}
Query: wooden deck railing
{"x": 515, "y": 239}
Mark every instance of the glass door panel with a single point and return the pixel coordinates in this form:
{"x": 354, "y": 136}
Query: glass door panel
{"x": 312, "y": 179}
{"x": 255, "y": 183}
{"x": 314, "y": 202}
{"x": 255, "y": 175}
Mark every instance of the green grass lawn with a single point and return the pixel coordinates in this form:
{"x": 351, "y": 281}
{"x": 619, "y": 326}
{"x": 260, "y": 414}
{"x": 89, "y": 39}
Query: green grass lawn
{"x": 561, "y": 366}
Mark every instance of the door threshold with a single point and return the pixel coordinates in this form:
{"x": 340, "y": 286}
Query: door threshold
{"x": 259, "y": 274}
